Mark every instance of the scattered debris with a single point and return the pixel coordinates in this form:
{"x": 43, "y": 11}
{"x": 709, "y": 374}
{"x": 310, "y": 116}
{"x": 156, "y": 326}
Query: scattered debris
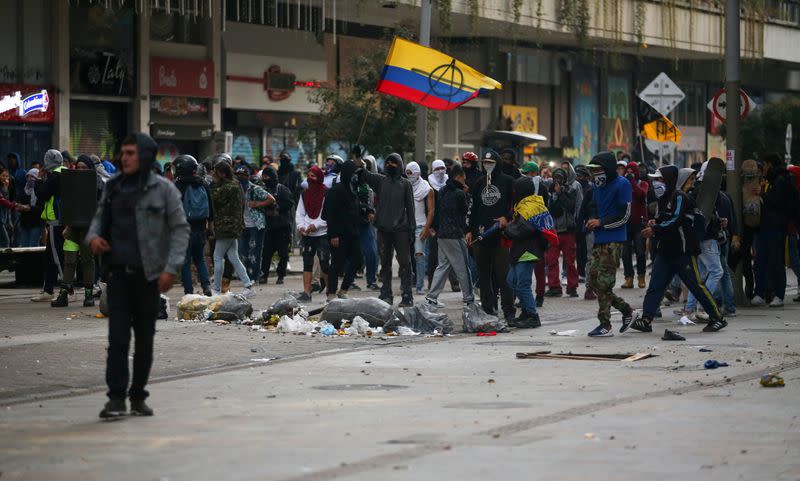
{"x": 375, "y": 311}
{"x": 570, "y": 333}
{"x": 772, "y": 380}
{"x": 421, "y": 317}
{"x": 285, "y": 306}
{"x": 483, "y": 334}
{"x": 705, "y": 349}
{"x": 713, "y": 364}
{"x": 585, "y": 357}
{"x": 228, "y": 307}
{"x": 476, "y": 320}
{"x": 685, "y": 321}
{"x": 589, "y": 436}
{"x": 263, "y": 359}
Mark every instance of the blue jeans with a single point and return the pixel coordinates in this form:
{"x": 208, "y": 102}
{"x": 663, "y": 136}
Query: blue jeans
{"x": 370, "y": 252}
{"x": 770, "y": 268}
{"x": 519, "y": 279}
{"x": 251, "y": 245}
{"x": 228, "y": 248}
{"x": 194, "y": 253}
{"x": 725, "y": 289}
{"x": 710, "y": 269}
{"x": 29, "y": 236}
{"x": 420, "y": 257}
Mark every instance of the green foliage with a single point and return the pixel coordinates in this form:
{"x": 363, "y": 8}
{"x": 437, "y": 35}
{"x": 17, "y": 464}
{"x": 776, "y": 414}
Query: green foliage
{"x": 474, "y": 13}
{"x": 574, "y": 14}
{"x": 390, "y": 121}
{"x": 765, "y": 131}
{"x": 516, "y": 7}
{"x": 445, "y": 21}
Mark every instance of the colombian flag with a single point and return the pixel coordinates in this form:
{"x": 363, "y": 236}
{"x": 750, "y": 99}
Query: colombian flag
{"x": 533, "y": 210}
{"x": 430, "y": 78}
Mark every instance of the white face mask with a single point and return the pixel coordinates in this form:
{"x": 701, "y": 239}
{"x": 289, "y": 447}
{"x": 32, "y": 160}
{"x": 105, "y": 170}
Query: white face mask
{"x": 489, "y": 166}
{"x": 600, "y": 179}
{"x": 412, "y": 176}
{"x": 659, "y": 188}
{"x": 439, "y": 174}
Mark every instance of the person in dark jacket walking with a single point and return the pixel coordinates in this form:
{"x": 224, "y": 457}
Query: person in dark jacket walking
{"x": 341, "y": 212}
{"x": 677, "y": 246}
{"x": 141, "y": 231}
{"x": 780, "y": 206}
{"x": 492, "y": 203}
{"x": 394, "y": 220}
{"x": 449, "y": 226}
{"x": 279, "y": 217}
{"x": 199, "y": 210}
{"x": 565, "y": 198}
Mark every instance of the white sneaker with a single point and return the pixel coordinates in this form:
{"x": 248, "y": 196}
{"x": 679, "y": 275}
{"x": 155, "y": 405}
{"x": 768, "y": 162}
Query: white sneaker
{"x": 757, "y": 301}
{"x": 248, "y": 292}
{"x": 42, "y": 297}
{"x": 776, "y": 302}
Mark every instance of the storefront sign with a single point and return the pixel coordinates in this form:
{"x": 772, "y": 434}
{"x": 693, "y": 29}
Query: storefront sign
{"x": 181, "y": 132}
{"x": 181, "y": 77}
{"x": 106, "y": 72}
{"x": 26, "y": 103}
{"x": 179, "y": 106}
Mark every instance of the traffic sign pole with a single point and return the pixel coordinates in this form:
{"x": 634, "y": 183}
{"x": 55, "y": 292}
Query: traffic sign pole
{"x": 732, "y": 126}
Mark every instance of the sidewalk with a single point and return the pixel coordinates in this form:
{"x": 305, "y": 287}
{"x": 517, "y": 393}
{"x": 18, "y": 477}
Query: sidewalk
{"x": 453, "y": 408}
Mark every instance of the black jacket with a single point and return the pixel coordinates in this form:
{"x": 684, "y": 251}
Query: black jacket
{"x": 450, "y": 215}
{"x": 395, "y": 203}
{"x": 675, "y": 231}
{"x": 780, "y": 199}
{"x": 341, "y": 207}
{"x": 490, "y": 202}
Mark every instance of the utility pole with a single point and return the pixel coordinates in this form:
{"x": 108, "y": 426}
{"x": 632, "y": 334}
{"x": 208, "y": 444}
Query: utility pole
{"x": 734, "y": 158}
{"x": 422, "y": 112}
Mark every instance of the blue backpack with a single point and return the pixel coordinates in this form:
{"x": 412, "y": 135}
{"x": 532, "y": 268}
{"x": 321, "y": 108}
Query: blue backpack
{"x": 195, "y": 203}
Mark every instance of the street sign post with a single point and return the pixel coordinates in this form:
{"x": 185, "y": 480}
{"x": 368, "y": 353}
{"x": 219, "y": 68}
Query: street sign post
{"x": 718, "y": 105}
{"x": 663, "y": 95}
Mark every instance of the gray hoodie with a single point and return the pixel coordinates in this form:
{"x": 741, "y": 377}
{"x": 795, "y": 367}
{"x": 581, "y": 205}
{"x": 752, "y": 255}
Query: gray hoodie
{"x": 52, "y": 160}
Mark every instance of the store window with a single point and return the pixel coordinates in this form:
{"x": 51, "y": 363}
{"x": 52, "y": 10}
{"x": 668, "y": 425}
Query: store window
{"x": 281, "y": 14}
{"x": 26, "y": 24}
{"x": 101, "y": 49}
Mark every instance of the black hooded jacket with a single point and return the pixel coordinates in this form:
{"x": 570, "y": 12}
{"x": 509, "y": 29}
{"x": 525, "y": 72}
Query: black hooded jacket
{"x": 489, "y": 202}
{"x": 450, "y": 215}
{"x": 395, "y": 199}
{"x": 780, "y": 199}
{"x": 278, "y": 215}
{"x": 341, "y": 207}
{"x": 290, "y": 178}
{"x": 674, "y": 230}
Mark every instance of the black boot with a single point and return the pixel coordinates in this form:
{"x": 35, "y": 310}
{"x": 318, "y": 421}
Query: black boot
{"x": 140, "y": 408}
{"x": 62, "y": 300}
{"x": 88, "y": 297}
{"x": 114, "y": 408}
{"x": 526, "y": 320}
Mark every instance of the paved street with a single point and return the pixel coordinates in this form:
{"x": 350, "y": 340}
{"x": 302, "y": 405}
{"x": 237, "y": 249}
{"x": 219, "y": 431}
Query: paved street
{"x": 461, "y": 407}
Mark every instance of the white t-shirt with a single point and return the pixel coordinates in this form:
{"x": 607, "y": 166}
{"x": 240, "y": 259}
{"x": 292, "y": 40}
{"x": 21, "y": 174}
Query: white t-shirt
{"x": 419, "y": 211}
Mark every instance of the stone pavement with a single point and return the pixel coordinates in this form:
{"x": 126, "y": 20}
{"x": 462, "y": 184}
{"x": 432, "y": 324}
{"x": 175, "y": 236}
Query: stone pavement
{"x": 434, "y": 408}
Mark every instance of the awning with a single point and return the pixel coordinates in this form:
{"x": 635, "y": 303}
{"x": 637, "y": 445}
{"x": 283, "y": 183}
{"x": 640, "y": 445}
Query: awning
{"x": 182, "y": 131}
{"x": 514, "y": 136}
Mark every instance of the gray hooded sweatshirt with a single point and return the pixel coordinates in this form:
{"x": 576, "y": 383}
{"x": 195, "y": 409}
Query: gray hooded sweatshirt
{"x": 395, "y": 199}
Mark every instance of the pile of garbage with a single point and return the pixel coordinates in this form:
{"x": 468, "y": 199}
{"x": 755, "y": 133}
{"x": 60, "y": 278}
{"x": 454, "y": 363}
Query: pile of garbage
{"x": 301, "y": 324}
{"x": 227, "y": 307}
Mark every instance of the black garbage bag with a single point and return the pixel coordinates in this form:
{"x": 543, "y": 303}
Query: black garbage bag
{"x": 476, "y": 320}
{"x": 285, "y": 306}
{"x": 372, "y": 309}
{"x": 226, "y": 307}
{"x": 423, "y": 318}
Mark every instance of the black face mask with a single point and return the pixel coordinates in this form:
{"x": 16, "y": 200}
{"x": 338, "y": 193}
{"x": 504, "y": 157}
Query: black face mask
{"x": 392, "y": 169}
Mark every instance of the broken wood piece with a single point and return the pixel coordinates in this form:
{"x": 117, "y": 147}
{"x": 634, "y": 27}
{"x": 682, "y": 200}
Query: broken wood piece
{"x": 638, "y": 357}
{"x": 584, "y": 357}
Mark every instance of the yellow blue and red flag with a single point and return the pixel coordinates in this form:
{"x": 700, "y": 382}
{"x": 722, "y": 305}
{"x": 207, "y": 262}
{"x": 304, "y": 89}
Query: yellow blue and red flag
{"x": 533, "y": 210}
{"x": 431, "y": 78}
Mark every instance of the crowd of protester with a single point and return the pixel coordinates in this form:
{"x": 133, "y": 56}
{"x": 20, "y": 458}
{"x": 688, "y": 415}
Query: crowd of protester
{"x": 457, "y": 221}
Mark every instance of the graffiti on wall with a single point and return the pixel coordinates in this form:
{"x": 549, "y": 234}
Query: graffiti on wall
{"x": 585, "y": 114}
{"x": 617, "y": 118}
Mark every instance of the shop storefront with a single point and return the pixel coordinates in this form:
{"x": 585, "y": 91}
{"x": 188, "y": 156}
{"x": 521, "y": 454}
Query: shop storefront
{"x": 268, "y": 97}
{"x": 180, "y": 92}
{"x": 26, "y": 121}
{"x": 102, "y": 72}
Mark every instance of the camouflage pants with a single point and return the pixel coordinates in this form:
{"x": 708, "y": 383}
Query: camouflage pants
{"x": 601, "y": 276}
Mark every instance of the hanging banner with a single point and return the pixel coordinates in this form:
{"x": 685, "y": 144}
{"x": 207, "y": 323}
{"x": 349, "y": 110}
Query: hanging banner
{"x": 585, "y": 114}
{"x": 617, "y": 119}
{"x": 520, "y": 119}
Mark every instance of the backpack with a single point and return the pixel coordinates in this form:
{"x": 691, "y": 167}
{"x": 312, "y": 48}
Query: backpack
{"x": 195, "y": 203}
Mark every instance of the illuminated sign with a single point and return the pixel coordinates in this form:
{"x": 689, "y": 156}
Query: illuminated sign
{"x": 38, "y": 102}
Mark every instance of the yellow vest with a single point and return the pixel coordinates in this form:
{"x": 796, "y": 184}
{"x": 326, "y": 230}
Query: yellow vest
{"x": 49, "y": 212}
